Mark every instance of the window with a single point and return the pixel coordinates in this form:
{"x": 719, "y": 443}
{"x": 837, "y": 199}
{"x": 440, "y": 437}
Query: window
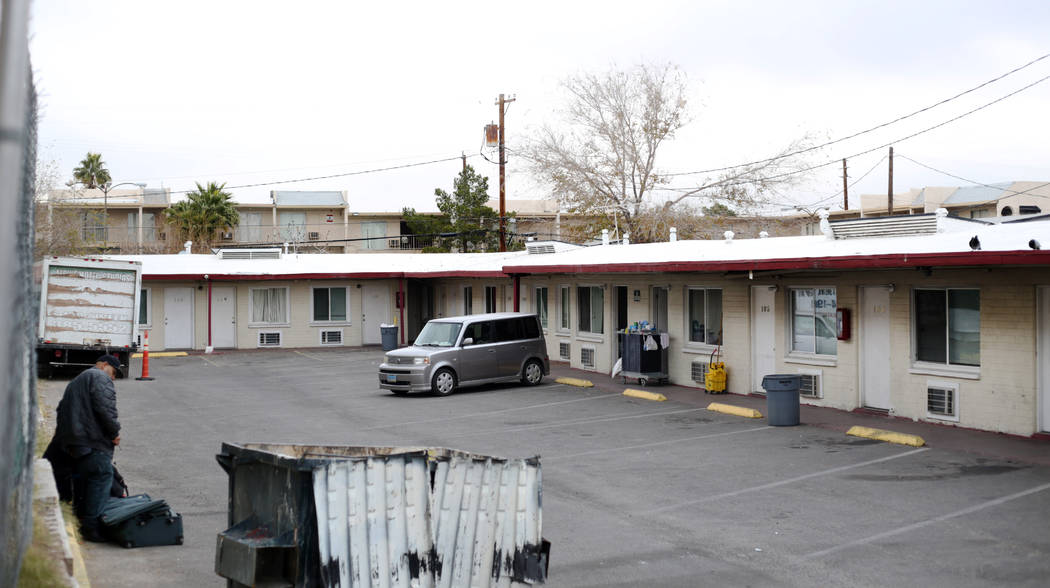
{"x": 948, "y": 326}
{"x": 292, "y": 225}
{"x": 92, "y": 226}
{"x": 705, "y": 315}
{"x": 590, "y": 303}
{"x": 490, "y": 299}
{"x": 564, "y": 323}
{"x": 149, "y": 232}
{"x": 509, "y": 330}
{"x": 269, "y": 305}
{"x": 250, "y": 227}
{"x": 539, "y": 305}
{"x": 813, "y": 320}
{"x": 330, "y": 304}
{"x": 375, "y": 233}
{"x": 468, "y": 300}
{"x": 145, "y": 310}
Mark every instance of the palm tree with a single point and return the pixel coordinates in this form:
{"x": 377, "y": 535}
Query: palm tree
{"x": 204, "y": 211}
{"x": 92, "y": 171}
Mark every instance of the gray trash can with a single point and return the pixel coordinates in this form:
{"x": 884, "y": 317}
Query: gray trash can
{"x": 389, "y": 337}
{"x": 782, "y": 399}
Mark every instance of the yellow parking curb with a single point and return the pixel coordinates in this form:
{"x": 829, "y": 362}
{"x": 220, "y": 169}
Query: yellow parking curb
{"x": 734, "y": 410}
{"x": 644, "y": 395}
{"x": 163, "y": 354}
{"x": 575, "y": 382}
{"x": 887, "y": 436}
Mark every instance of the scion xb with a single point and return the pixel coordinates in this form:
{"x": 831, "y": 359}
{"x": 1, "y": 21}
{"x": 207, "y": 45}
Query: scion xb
{"x": 466, "y": 351}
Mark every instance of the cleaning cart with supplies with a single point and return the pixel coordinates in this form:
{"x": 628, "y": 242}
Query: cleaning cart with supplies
{"x": 644, "y": 356}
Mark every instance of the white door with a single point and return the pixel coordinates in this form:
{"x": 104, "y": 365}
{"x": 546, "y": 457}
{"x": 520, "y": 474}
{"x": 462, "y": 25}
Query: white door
{"x": 763, "y": 335}
{"x": 875, "y": 347}
{"x": 1042, "y": 355}
{"x": 223, "y": 317}
{"x": 178, "y": 318}
{"x": 375, "y": 310}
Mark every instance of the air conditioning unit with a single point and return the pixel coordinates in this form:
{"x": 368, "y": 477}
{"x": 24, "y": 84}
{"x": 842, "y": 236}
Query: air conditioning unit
{"x": 227, "y": 235}
{"x": 699, "y": 371}
{"x": 811, "y": 384}
{"x": 313, "y": 236}
{"x": 332, "y": 337}
{"x": 587, "y": 357}
{"x": 942, "y": 400}
{"x": 270, "y": 339}
{"x": 564, "y": 350}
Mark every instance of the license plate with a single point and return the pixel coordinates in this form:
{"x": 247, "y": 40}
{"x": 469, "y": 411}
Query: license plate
{"x": 391, "y": 378}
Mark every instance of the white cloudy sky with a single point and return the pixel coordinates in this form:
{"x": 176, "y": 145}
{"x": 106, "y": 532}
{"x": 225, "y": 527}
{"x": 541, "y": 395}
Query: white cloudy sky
{"x": 254, "y": 92}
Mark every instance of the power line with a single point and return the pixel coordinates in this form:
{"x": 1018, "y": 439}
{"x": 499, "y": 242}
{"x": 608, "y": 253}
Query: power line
{"x": 875, "y": 128}
{"x": 854, "y": 183}
{"x": 873, "y": 149}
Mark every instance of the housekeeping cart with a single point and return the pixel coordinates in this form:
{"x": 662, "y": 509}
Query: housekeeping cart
{"x": 644, "y": 356}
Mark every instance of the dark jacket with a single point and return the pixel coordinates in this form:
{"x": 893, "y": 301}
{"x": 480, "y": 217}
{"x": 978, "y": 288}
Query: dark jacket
{"x": 87, "y": 414}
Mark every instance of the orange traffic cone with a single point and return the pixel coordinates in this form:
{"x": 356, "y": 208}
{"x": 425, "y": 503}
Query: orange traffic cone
{"x": 145, "y": 357}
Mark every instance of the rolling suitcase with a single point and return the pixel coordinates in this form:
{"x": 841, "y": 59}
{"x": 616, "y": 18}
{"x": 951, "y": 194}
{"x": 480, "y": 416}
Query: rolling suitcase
{"x": 139, "y": 521}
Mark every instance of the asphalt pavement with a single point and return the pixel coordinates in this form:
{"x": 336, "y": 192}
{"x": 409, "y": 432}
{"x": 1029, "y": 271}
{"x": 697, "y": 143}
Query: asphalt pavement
{"x": 636, "y": 493}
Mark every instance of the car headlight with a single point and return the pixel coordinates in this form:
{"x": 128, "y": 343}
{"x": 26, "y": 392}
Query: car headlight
{"x": 421, "y": 360}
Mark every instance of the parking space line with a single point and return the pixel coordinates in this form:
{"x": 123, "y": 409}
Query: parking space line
{"x": 653, "y": 444}
{"x": 578, "y": 421}
{"x": 313, "y": 357}
{"x": 492, "y": 412}
{"x": 208, "y": 361}
{"x": 783, "y": 482}
{"x": 926, "y": 523}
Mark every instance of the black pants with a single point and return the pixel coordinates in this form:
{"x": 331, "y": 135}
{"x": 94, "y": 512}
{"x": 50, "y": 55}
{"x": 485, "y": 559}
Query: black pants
{"x": 91, "y": 485}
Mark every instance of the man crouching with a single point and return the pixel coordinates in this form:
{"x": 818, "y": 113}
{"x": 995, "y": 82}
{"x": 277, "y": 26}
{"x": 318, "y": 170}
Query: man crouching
{"x": 86, "y": 432}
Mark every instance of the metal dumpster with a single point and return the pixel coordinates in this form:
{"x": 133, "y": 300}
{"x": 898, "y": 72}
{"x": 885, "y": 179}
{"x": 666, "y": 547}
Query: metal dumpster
{"x": 304, "y": 515}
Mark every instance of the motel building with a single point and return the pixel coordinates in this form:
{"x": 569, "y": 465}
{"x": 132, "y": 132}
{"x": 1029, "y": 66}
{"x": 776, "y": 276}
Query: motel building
{"x": 927, "y": 317}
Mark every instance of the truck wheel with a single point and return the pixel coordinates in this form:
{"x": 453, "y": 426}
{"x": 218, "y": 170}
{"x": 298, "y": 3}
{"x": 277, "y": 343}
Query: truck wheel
{"x": 444, "y": 382}
{"x": 532, "y": 373}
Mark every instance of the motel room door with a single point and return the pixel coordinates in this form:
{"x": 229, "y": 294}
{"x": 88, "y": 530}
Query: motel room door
{"x": 178, "y": 318}
{"x": 223, "y": 317}
{"x": 375, "y": 310}
{"x": 763, "y": 335}
{"x": 875, "y": 347}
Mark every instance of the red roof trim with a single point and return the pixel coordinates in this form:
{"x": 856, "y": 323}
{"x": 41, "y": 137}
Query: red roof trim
{"x": 236, "y": 277}
{"x": 895, "y": 260}
{"x": 459, "y": 274}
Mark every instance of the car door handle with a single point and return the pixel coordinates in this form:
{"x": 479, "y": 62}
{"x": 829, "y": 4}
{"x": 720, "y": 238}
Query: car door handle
{"x": 492, "y": 351}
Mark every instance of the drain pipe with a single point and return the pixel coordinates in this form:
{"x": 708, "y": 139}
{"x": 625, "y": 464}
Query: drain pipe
{"x": 209, "y": 348}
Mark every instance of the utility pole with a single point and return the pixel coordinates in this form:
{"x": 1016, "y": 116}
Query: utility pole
{"x": 463, "y": 156}
{"x": 889, "y": 209}
{"x": 845, "y": 187}
{"x": 502, "y": 102}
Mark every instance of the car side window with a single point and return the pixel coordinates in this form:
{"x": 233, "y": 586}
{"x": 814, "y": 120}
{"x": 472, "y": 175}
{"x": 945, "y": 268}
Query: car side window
{"x": 482, "y": 332}
{"x": 508, "y": 330}
{"x": 532, "y": 328}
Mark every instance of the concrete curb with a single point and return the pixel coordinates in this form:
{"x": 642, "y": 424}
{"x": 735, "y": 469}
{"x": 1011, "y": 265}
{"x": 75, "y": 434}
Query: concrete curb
{"x": 46, "y": 504}
{"x": 162, "y": 354}
{"x": 887, "y": 436}
{"x": 734, "y": 410}
{"x": 575, "y": 382}
{"x": 644, "y": 395}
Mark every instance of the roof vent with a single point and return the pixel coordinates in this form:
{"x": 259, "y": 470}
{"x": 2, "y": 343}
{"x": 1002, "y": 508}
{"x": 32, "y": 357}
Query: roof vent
{"x": 887, "y": 226}
{"x": 250, "y": 253}
{"x": 539, "y": 248}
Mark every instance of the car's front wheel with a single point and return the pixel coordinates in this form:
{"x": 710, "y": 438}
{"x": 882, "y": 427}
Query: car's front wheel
{"x": 444, "y": 382}
{"x": 532, "y": 373}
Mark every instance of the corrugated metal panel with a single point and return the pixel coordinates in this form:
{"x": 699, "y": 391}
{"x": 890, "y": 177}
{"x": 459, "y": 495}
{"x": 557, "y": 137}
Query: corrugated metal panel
{"x": 892, "y": 226}
{"x": 448, "y": 519}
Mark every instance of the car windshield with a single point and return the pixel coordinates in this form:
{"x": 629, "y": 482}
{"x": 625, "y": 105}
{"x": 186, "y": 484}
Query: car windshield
{"x": 435, "y": 334}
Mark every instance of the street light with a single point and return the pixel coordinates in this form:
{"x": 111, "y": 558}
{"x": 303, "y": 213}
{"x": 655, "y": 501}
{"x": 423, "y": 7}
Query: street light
{"x": 105, "y": 202}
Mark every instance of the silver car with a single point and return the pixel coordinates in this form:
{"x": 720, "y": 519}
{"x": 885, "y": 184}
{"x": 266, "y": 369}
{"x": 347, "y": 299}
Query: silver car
{"x": 468, "y": 350}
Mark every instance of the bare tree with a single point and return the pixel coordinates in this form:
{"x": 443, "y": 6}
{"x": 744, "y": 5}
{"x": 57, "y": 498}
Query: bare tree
{"x": 600, "y": 158}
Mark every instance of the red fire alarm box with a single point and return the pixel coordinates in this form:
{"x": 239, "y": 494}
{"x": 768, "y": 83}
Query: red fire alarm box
{"x": 842, "y": 324}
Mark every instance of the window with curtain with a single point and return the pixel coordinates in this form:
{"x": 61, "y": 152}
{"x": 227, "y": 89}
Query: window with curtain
{"x": 144, "y": 300}
{"x": 269, "y": 305}
{"x": 468, "y": 300}
{"x": 249, "y": 228}
{"x": 947, "y": 326}
{"x": 705, "y": 315}
{"x": 590, "y": 306}
{"x": 813, "y": 321}
{"x": 539, "y": 303}
{"x": 330, "y": 304}
{"x": 490, "y": 299}
{"x": 292, "y": 225}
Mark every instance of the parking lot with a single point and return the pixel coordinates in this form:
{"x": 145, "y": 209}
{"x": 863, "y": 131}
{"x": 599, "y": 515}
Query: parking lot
{"x": 636, "y": 493}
